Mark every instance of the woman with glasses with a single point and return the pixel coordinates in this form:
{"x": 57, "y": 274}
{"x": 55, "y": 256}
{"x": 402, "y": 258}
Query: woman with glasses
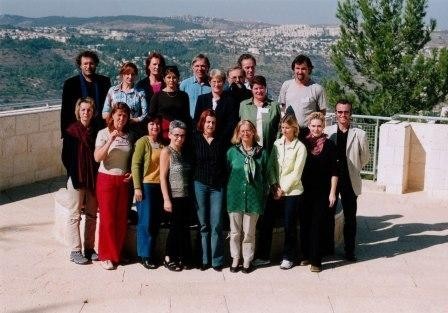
{"x": 174, "y": 181}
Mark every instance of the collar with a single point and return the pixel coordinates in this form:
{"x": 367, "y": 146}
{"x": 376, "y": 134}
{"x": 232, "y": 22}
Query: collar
{"x": 118, "y": 88}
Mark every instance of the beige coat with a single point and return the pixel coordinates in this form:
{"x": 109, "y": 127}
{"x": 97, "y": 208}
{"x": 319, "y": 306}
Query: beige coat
{"x": 357, "y": 152}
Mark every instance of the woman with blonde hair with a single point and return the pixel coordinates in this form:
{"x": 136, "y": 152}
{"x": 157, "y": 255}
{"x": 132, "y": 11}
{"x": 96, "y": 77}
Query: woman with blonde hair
{"x": 320, "y": 177}
{"x": 287, "y": 161}
{"x": 246, "y": 192}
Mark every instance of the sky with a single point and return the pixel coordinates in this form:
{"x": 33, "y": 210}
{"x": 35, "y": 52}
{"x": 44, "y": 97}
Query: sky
{"x": 270, "y": 11}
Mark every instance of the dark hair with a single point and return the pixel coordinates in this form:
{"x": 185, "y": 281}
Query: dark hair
{"x": 87, "y": 54}
{"x": 171, "y": 69}
{"x": 259, "y": 80}
{"x": 300, "y": 59}
{"x": 151, "y": 56}
{"x": 201, "y": 56}
{"x": 203, "y": 117}
{"x": 123, "y": 107}
{"x": 124, "y": 69}
{"x": 246, "y": 56}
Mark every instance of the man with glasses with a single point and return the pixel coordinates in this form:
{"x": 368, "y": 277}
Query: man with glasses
{"x": 352, "y": 154}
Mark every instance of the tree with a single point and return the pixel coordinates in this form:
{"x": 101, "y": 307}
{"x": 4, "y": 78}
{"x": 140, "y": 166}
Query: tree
{"x": 380, "y": 60}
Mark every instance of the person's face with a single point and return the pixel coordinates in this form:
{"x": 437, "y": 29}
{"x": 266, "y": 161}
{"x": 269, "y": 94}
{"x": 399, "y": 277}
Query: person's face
{"x": 120, "y": 119}
{"x": 217, "y": 85}
{"x": 171, "y": 81}
{"x": 259, "y": 92}
{"x": 343, "y": 113}
{"x": 302, "y": 72}
{"x": 85, "y": 113}
{"x": 177, "y": 137}
{"x": 248, "y": 66}
{"x": 316, "y": 127}
{"x": 200, "y": 69}
{"x": 128, "y": 77}
{"x": 236, "y": 76}
{"x": 154, "y": 67}
{"x": 246, "y": 133}
{"x": 87, "y": 66}
{"x": 210, "y": 125}
{"x": 288, "y": 131}
{"x": 154, "y": 128}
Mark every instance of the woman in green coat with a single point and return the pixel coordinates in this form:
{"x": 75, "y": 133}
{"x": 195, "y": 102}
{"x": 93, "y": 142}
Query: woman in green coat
{"x": 265, "y": 115}
{"x": 246, "y": 192}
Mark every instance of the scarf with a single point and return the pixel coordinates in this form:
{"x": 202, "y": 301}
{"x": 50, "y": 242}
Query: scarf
{"x": 315, "y": 144}
{"x": 249, "y": 162}
{"x": 86, "y": 166}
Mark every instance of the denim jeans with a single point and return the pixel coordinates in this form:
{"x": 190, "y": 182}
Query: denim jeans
{"x": 209, "y": 201}
{"x": 148, "y": 210}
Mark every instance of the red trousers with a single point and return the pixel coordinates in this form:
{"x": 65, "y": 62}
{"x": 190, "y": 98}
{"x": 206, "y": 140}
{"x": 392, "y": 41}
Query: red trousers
{"x": 113, "y": 196}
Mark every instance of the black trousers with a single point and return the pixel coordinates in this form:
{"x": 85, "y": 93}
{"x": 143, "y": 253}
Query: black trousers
{"x": 350, "y": 207}
{"x": 265, "y": 227}
{"x": 178, "y": 244}
{"x": 312, "y": 221}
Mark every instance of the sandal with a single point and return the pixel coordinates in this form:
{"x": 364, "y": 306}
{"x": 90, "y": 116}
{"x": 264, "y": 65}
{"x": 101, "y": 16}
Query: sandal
{"x": 172, "y": 266}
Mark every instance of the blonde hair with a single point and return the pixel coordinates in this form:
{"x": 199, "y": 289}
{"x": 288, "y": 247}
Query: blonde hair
{"x": 291, "y": 121}
{"x": 315, "y": 116}
{"x": 217, "y": 73}
{"x": 83, "y": 100}
{"x": 236, "y": 139}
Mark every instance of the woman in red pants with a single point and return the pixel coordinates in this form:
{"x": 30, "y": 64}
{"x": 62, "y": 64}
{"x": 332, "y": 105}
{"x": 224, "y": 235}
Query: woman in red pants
{"x": 113, "y": 148}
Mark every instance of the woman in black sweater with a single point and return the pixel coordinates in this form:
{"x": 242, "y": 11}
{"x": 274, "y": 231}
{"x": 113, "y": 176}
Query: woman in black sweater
{"x": 319, "y": 182}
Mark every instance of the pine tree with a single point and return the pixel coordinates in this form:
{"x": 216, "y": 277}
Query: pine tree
{"x": 380, "y": 58}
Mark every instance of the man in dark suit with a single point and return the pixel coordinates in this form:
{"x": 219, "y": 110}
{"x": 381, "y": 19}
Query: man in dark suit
{"x": 86, "y": 84}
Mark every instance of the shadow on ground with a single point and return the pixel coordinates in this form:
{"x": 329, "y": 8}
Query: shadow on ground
{"x": 383, "y": 237}
{"x": 32, "y": 190}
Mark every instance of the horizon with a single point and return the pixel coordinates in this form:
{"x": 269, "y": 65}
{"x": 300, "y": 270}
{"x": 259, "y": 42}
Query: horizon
{"x": 283, "y": 12}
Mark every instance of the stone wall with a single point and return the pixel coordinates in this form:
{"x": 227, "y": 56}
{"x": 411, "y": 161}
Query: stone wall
{"x": 413, "y": 157}
{"x": 30, "y": 146}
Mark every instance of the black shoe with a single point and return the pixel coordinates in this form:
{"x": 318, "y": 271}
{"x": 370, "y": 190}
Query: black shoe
{"x": 204, "y": 267}
{"x": 90, "y": 254}
{"x": 218, "y": 268}
{"x": 234, "y": 269}
{"x": 351, "y": 257}
{"x": 247, "y": 270}
{"x": 148, "y": 264}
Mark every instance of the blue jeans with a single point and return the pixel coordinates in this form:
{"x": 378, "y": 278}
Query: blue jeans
{"x": 148, "y": 210}
{"x": 209, "y": 202}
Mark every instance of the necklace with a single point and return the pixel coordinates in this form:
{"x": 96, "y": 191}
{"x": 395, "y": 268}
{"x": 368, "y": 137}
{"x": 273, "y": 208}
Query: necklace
{"x": 172, "y": 94}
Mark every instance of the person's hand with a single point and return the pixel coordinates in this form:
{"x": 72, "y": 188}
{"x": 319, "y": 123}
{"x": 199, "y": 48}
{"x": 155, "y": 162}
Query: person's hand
{"x": 138, "y": 195}
{"x": 167, "y": 206}
{"x": 113, "y": 135}
{"x": 332, "y": 199}
{"x": 127, "y": 177}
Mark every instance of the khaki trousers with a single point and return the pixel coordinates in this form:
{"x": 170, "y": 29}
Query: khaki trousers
{"x": 78, "y": 199}
{"x": 242, "y": 235}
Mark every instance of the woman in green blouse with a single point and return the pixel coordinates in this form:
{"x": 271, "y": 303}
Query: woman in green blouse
{"x": 246, "y": 192}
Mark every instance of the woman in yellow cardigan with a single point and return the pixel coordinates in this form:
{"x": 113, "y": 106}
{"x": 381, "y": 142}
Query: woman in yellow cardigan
{"x": 287, "y": 161}
{"x": 148, "y": 196}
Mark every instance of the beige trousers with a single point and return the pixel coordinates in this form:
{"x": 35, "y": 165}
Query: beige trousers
{"x": 80, "y": 198}
{"x": 243, "y": 224}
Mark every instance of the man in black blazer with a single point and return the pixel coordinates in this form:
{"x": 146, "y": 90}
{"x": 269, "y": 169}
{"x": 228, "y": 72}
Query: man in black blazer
{"x": 86, "y": 84}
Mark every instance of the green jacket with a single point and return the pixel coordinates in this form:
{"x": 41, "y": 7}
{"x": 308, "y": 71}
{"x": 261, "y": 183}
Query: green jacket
{"x": 245, "y": 196}
{"x": 270, "y": 119}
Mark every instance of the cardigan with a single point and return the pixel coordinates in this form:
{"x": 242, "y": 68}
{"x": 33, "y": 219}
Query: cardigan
{"x": 145, "y": 165}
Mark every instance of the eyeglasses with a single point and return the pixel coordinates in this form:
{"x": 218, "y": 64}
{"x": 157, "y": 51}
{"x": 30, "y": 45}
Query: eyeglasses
{"x": 178, "y": 135}
{"x": 343, "y": 112}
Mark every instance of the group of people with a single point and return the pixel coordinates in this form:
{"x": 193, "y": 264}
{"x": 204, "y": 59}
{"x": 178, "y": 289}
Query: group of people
{"x": 211, "y": 143}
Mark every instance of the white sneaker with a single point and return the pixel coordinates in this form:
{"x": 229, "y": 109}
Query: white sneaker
{"x": 107, "y": 265}
{"x": 286, "y": 265}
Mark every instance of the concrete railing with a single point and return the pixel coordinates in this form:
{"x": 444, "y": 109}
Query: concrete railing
{"x": 30, "y": 146}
